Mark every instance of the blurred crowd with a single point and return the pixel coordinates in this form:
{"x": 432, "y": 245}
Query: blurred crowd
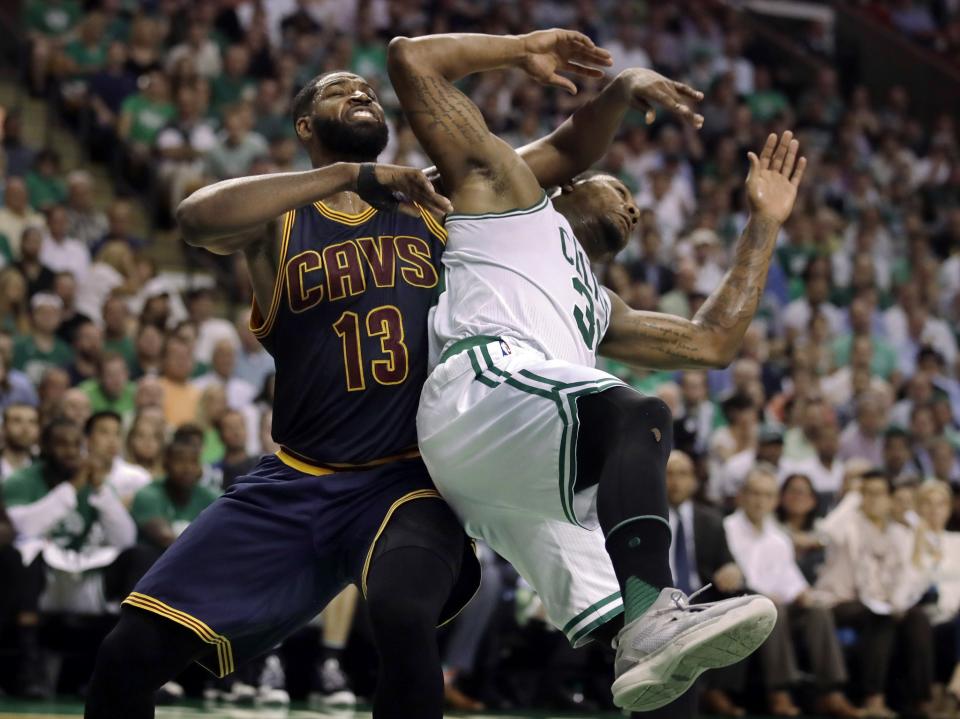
{"x": 819, "y": 468}
{"x": 931, "y": 23}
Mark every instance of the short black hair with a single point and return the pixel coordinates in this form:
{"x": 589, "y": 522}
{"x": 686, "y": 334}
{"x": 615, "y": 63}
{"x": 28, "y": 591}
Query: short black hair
{"x": 184, "y": 443}
{"x": 303, "y": 100}
{"x": 737, "y": 403}
{"x": 52, "y": 426}
{"x": 96, "y": 417}
{"x": 189, "y": 432}
{"x": 895, "y": 432}
{"x": 876, "y": 473}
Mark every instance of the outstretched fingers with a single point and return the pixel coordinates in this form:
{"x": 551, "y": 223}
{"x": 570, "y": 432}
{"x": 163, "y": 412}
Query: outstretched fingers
{"x": 684, "y": 89}
{"x": 780, "y": 154}
{"x": 577, "y": 67}
{"x": 791, "y": 159}
{"x": 588, "y": 52}
{"x": 766, "y": 154}
{"x": 798, "y": 173}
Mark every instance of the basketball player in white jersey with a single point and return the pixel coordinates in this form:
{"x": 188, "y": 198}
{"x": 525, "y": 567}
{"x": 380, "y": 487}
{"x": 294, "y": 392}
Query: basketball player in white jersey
{"x": 557, "y": 465}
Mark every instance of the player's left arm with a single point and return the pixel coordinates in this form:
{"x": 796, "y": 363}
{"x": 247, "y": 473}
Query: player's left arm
{"x": 712, "y": 338}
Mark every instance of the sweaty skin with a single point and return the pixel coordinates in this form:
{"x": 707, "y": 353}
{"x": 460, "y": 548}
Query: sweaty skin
{"x": 483, "y": 174}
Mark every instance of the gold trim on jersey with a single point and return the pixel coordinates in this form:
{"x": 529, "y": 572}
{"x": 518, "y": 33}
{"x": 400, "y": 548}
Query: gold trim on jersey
{"x": 409, "y": 497}
{"x": 436, "y": 229}
{"x": 302, "y": 464}
{"x": 225, "y": 660}
{"x": 344, "y": 218}
{"x": 261, "y": 330}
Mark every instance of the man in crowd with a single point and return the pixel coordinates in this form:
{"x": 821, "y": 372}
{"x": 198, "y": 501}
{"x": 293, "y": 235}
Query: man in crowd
{"x": 15, "y": 386}
{"x": 180, "y": 398}
{"x": 236, "y": 461}
{"x": 111, "y": 389}
{"x": 864, "y": 437}
{"x": 42, "y": 348}
{"x": 765, "y": 553}
{"x": 104, "y": 444}
{"x": 21, "y": 430}
{"x": 240, "y": 393}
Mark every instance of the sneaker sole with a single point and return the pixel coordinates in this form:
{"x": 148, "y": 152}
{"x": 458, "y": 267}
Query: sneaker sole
{"x": 664, "y": 675}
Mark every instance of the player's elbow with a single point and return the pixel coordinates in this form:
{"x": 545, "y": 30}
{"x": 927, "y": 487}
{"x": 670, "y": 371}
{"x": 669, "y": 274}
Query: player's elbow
{"x": 718, "y": 353}
{"x": 189, "y": 221}
{"x": 401, "y": 52}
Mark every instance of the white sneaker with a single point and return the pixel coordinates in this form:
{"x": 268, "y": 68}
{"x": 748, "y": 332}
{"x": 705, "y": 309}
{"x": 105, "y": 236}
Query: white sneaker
{"x": 661, "y": 653}
{"x": 170, "y": 693}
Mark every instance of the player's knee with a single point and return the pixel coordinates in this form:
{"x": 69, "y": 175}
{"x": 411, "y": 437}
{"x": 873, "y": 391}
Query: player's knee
{"x": 400, "y": 613}
{"x": 655, "y": 411}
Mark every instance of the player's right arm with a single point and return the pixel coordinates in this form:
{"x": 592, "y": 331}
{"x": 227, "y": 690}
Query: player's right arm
{"x": 241, "y": 215}
{"x": 481, "y": 172}
{"x": 712, "y": 338}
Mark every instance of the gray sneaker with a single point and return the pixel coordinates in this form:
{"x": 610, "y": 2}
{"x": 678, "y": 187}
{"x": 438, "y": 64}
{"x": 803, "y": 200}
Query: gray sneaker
{"x": 660, "y": 654}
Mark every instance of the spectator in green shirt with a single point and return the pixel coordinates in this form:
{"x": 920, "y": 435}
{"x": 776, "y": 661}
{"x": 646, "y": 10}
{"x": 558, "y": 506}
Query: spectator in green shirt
{"x": 87, "y": 53}
{"x": 143, "y": 115}
{"x": 47, "y": 21}
{"x": 44, "y": 184}
{"x": 35, "y": 352}
{"x": 163, "y": 509}
{"x": 111, "y": 389}
{"x": 766, "y": 102}
{"x": 233, "y": 84}
{"x": 116, "y": 338}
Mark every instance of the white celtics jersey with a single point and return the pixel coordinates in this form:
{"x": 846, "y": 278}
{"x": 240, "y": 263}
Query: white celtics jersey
{"x": 520, "y": 274}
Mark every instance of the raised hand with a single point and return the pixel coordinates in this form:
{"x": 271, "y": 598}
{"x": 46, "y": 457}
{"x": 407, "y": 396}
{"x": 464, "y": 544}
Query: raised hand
{"x": 414, "y": 187}
{"x": 547, "y": 53}
{"x": 774, "y": 177}
{"x": 646, "y": 88}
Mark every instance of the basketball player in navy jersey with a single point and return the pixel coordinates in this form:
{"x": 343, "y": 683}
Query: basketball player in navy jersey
{"x": 345, "y": 263}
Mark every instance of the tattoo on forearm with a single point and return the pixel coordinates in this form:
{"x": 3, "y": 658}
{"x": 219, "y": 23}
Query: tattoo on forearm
{"x": 733, "y": 304}
{"x": 448, "y": 109}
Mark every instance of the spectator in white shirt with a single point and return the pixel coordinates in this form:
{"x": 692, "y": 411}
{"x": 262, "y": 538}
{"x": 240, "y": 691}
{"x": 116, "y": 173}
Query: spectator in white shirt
{"x": 210, "y": 329}
{"x": 796, "y": 315}
{"x": 239, "y": 393}
{"x": 254, "y": 363}
{"x": 863, "y": 437}
{"x": 199, "y": 49}
{"x": 870, "y": 581}
{"x": 824, "y": 469}
{"x": 104, "y": 445}
{"x": 765, "y": 554}
{"x": 62, "y": 253}
{"x": 728, "y": 482}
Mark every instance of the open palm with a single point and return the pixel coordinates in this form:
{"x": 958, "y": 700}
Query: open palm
{"x": 774, "y": 177}
{"x": 547, "y": 53}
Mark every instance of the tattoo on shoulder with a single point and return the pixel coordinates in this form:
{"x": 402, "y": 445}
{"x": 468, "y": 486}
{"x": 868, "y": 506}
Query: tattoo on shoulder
{"x": 450, "y": 110}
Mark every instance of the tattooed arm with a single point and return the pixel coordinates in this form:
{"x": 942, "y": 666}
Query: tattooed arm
{"x": 712, "y": 338}
{"x": 480, "y": 172}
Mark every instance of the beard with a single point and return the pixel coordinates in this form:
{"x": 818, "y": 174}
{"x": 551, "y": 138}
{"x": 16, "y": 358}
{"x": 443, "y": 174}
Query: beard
{"x": 363, "y": 142}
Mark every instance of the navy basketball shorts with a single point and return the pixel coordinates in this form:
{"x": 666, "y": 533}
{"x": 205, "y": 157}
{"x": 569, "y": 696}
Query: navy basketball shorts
{"x": 267, "y": 556}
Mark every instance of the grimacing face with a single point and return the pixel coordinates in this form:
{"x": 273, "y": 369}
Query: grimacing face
{"x": 346, "y": 117}
{"x": 607, "y": 202}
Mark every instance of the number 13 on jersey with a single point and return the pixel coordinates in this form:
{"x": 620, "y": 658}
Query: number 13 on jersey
{"x": 386, "y": 323}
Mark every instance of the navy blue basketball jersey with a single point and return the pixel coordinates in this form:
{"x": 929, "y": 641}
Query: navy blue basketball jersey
{"x": 348, "y": 330}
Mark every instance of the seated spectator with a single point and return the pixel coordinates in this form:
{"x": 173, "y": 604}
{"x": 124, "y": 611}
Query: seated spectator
{"x": 15, "y": 386}
{"x": 111, "y": 390}
{"x": 898, "y": 460}
{"x": 254, "y": 363}
{"x": 84, "y": 221}
{"x": 65, "y": 287}
{"x": 116, "y": 336}
{"x": 20, "y": 156}
{"x": 87, "y": 352}
{"x": 863, "y": 438}
{"x": 883, "y": 360}
{"x": 698, "y": 555}
{"x": 180, "y": 398}
{"x": 233, "y": 85}
{"x": 44, "y": 184}
{"x": 798, "y": 442}
{"x": 194, "y": 433}
{"x": 237, "y": 145}
{"x": 113, "y": 271}
{"x": 104, "y": 442}
{"x": 698, "y": 416}
{"x": 733, "y": 473}
{"x": 824, "y": 469}
{"x": 75, "y": 406}
{"x": 33, "y": 353}
{"x": 210, "y": 410}
{"x": 237, "y": 461}
{"x": 739, "y": 436}
{"x": 106, "y": 90}
{"x": 766, "y": 556}
{"x": 182, "y": 146}
{"x": 239, "y": 393}
{"x": 210, "y": 329}
{"x": 17, "y": 215}
{"x": 164, "y": 508}
{"x": 54, "y": 384}
{"x": 946, "y": 463}
{"x": 71, "y": 530}
{"x": 39, "y": 277}
{"x": 21, "y": 431}
{"x": 144, "y": 446}
{"x": 869, "y": 580}
{"x": 797, "y": 513}
{"x": 923, "y": 431}
{"x": 119, "y": 221}
{"x": 198, "y": 47}
{"x": 937, "y": 553}
{"x": 796, "y": 315}
{"x": 148, "y": 351}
